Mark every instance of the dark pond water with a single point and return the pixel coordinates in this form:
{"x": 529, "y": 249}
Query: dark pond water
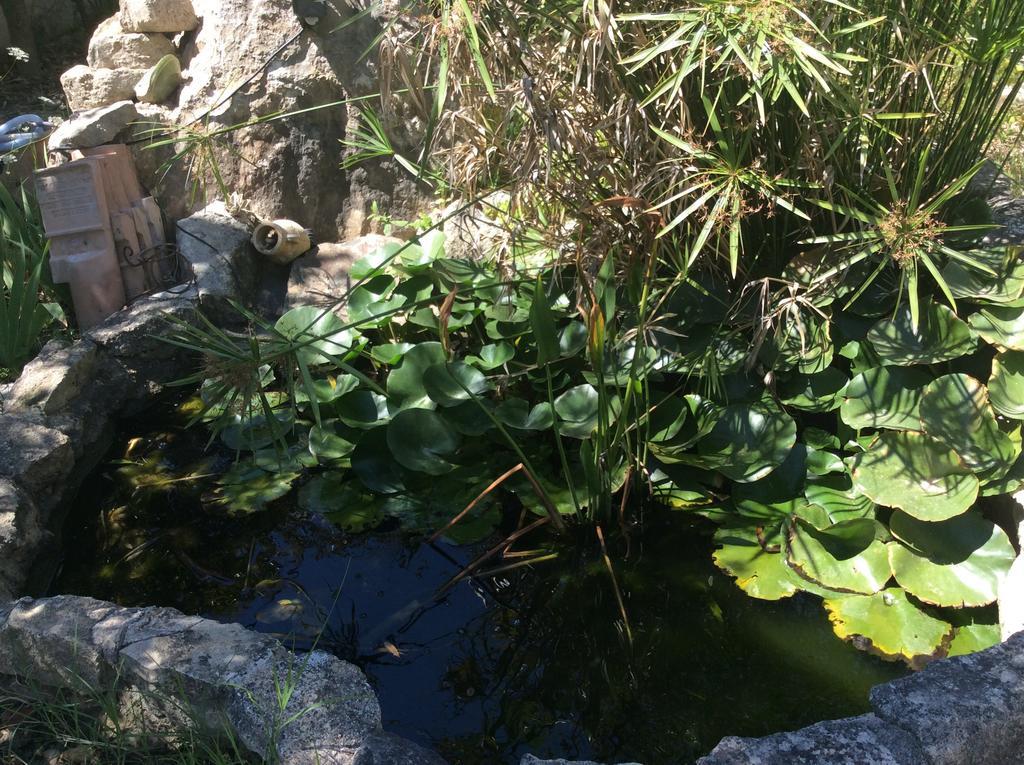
{"x": 533, "y": 660}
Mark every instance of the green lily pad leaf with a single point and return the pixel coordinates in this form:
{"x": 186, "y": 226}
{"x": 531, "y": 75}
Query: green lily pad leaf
{"x": 342, "y": 502}
{"x": 837, "y": 495}
{"x": 667, "y": 418}
{"x": 375, "y": 467}
{"x": 697, "y": 421}
{"x": 322, "y": 334}
{"x": 475, "y": 527}
{"x": 759, "y": 573}
{"x": 292, "y": 461}
{"x": 972, "y": 638}
{"x": 362, "y": 409}
{"x": 1009, "y": 483}
{"x": 803, "y": 344}
{"x": 748, "y": 441}
{"x": 820, "y": 392}
{"x": 577, "y": 410}
{"x": 846, "y": 557}
{"x": 572, "y": 339}
{"x": 247, "y": 489}
{"x": 517, "y": 413}
{"x": 1000, "y": 326}
{"x": 493, "y": 356}
{"x": 957, "y": 563}
{"x": 255, "y": 433}
{"x": 405, "y": 384}
{"x": 940, "y": 336}
{"x": 375, "y": 262}
{"x": 372, "y": 308}
{"x": 820, "y": 462}
{"x": 1006, "y": 386}
{"x": 915, "y": 473}
{"x": 390, "y": 353}
{"x": 956, "y": 411}
{"x": 887, "y": 624}
{"x": 420, "y": 439}
{"x": 973, "y": 284}
{"x": 680, "y": 487}
{"x": 329, "y": 390}
{"x": 454, "y": 384}
{"x": 782, "y": 490}
{"x": 328, "y": 442}
{"x": 884, "y": 397}
{"x": 470, "y": 419}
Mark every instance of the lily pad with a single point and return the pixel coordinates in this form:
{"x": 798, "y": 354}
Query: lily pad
{"x": 319, "y": 334}
{"x": 748, "y": 441}
{"x": 1001, "y": 326}
{"x": 247, "y": 488}
{"x": 362, "y": 409}
{"x": 330, "y": 442}
{"x": 960, "y": 562}
{"x": 889, "y": 625}
{"x": 820, "y": 392}
{"x": 516, "y": 413}
{"x": 375, "y": 467}
{"x": 405, "y": 384}
{"x": 1006, "y": 386}
{"x": 847, "y": 557}
{"x": 837, "y": 495}
{"x": 972, "y": 638}
{"x": 493, "y": 356}
{"x": 577, "y": 410}
{"x": 758, "y": 572}
{"x": 341, "y": 501}
{"x": 916, "y": 473}
{"x": 390, "y": 353}
{"x": 420, "y": 439}
{"x": 973, "y": 284}
{"x": 454, "y": 384}
{"x": 940, "y": 336}
{"x": 955, "y": 410}
{"x": 884, "y": 397}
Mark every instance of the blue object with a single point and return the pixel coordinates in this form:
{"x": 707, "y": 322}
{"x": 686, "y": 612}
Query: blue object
{"x": 22, "y": 131}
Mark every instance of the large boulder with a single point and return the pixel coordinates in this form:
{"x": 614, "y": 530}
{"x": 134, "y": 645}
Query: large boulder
{"x": 88, "y": 88}
{"x": 158, "y": 16}
{"x": 289, "y": 167}
{"x": 111, "y": 47}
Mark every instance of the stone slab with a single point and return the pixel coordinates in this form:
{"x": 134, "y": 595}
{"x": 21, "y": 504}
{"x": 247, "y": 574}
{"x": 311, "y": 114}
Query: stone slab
{"x": 34, "y": 456}
{"x": 864, "y": 740}
{"x": 969, "y": 709}
{"x": 217, "y": 247}
{"x": 112, "y": 47}
{"x": 158, "y": 16}
{"x": 52, "y": 380}
{"x": 94, "y": 127}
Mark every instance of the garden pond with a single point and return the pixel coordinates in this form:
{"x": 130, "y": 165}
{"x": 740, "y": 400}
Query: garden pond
{"x": 528, "y": 659}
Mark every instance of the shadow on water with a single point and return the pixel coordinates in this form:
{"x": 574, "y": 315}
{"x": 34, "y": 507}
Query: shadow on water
{"x": 531, "y": 661}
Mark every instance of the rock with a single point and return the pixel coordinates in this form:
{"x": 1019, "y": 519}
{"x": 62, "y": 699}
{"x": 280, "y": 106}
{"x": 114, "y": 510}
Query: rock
{"x": 290, "y": 167}
{"x": 965, "y": 709}
{"x": 50, "y": 642}
{"x": 387, "y": 749}
{"x": 88, "y": 88}
{"x": 54, "y": 378}
{"x": 94, "y": 127}
{"x": 320, "y": 276}
{"x": 863, "y": 740}
{"x": 21, "y": 533}
{"x": 35, "y": 456}
{"x": 157, "y": 85}
{"x": 113, "y": 48}
{"x": 158, "y": 16}
{"x": 217, "y": 247}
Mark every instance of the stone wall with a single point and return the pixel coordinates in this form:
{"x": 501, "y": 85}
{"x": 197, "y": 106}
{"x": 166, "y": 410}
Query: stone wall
{"x": 289, "y": 167}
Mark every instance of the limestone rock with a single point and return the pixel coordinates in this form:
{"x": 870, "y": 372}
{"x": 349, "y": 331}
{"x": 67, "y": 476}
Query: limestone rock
{"x": 217, "y": 246}
{"x": 386, "y": 749}
{"x": 94, "y": 127}
{"x": 965, "y": 709}
{"x": 157, "y": 85}
{"x": 54, "y": 378}
{"x": 113, "y": 48}
{"x": 88, "y": 88}
{"x": 21, "y": 533}
{"x": 321, "y": 275}
{"x": 863, "y": 740}
{"x": 35, "y": 456}
{"x": 158, "y": 16}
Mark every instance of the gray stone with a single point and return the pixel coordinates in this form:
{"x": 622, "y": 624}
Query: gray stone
{"x": 50, "y": 642}
{"x": 387, "y": 749}
{"x": 217, "y": 247}
{"x": 320, "y": 277}
{"x": 94, "y": 127}
{"x": 21, "y": 533}
{"x": 113, "y": 48}
{"x": 965, "y": 709}
{"x": 55, "y": 377}
{"x": 864, "y": 740}
{"x": 35, "y": 456}
{"x": 158, "y": 16}
{"x": 88, "y": 88}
